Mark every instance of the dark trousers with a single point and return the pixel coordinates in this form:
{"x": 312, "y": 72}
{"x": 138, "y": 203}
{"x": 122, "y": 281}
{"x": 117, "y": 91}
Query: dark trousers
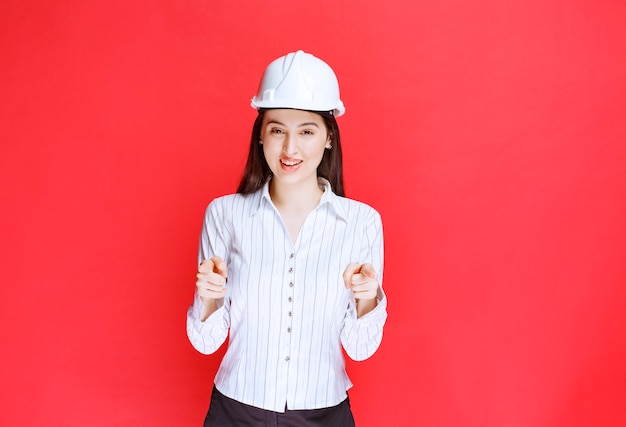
{"x": 226, "y": 412}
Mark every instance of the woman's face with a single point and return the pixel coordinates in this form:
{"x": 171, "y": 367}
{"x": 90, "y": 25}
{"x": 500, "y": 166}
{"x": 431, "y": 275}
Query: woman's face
{"x": 293, "y": 144}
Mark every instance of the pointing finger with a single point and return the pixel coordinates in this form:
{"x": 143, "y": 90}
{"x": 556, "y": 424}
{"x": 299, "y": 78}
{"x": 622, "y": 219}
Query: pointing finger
{"x": 206, "y": 266}
{"x": 219, "y": 266}
{"x": 213, "y": 265}
{"x": 350, "y": 270}
{"x": 367, "y": 269}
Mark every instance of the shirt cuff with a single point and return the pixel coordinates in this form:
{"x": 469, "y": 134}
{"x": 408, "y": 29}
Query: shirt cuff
{"x": 377, "y": 314}
{"x": 215, "y": 318}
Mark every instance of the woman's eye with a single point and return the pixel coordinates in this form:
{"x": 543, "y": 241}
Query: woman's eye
{"x": 276, "y": 131}
{"x": 307, "y": 132}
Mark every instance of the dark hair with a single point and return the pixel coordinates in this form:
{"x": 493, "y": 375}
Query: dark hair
{"x": 257, "y": 172}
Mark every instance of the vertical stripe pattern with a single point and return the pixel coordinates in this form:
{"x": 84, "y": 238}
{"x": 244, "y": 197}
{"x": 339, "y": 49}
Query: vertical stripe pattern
{"x": 286, "y": 308}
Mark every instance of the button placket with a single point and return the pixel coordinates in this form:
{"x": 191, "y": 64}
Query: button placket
{"x": 289, "y": 308}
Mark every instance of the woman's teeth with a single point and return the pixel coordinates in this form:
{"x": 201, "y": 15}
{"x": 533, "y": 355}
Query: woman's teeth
{"x": 291, "y": 162}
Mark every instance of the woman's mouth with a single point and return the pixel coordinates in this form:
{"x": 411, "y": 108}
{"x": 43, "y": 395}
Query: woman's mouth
{"x": 290, "y": 165}
{"x": 290, "y": 162}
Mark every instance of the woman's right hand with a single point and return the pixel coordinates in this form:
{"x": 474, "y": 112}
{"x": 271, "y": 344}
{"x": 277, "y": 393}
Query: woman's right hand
{"x": 211, "y": 283}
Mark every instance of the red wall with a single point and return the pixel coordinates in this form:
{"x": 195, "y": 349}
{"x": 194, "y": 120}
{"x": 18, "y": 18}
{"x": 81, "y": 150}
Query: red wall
{"x": 490, "y": 135}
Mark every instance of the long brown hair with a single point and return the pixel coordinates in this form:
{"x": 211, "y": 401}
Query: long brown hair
{"x": 257, "y": 172}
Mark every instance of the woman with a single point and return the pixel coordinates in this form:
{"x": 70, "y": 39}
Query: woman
{"x": 287, "y": 265}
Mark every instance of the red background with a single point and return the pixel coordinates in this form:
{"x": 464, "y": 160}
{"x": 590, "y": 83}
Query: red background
{"x": 490, "y": 135}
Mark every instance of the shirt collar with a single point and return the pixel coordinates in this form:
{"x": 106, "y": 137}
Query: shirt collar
{"x": 328, "y": 197}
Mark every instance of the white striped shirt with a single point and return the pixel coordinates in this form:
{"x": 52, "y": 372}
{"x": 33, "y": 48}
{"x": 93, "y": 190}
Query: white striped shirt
{"x": 286, "y": 306}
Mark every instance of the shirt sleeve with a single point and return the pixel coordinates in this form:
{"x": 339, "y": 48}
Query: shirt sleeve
{"x": 362, "y": 336}
{"x": 208, "y": 336}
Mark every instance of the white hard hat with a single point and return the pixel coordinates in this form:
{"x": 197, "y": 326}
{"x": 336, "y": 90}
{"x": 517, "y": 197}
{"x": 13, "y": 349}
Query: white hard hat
{"x": 299, "y": 80}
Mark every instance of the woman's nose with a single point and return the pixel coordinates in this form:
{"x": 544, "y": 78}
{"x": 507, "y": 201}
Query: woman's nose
{"x": 290, "y": 146}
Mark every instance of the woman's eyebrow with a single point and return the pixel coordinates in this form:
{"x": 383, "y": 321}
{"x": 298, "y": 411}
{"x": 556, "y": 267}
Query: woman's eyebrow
{"x": 276, "y": 122}
{"x": 309, "y": 124}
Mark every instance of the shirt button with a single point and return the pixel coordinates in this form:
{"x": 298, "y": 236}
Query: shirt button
{"x": 291, "y": 270}
{"x": 289, "y": 314}
{"x": 290, "y": 284}
{"x": 287, "y": 359}
{"x": 289, "y": 330}
{"x": 291, "y": 256}
{"x": 289, "y": 299}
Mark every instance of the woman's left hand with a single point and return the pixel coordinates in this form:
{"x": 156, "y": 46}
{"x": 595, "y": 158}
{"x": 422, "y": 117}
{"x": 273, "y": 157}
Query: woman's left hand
{"x": 361, "y": 279}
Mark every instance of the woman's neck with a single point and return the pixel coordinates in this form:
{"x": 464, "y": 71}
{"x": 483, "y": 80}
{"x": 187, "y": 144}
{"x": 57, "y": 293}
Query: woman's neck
{"x": 295, "y": 198}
